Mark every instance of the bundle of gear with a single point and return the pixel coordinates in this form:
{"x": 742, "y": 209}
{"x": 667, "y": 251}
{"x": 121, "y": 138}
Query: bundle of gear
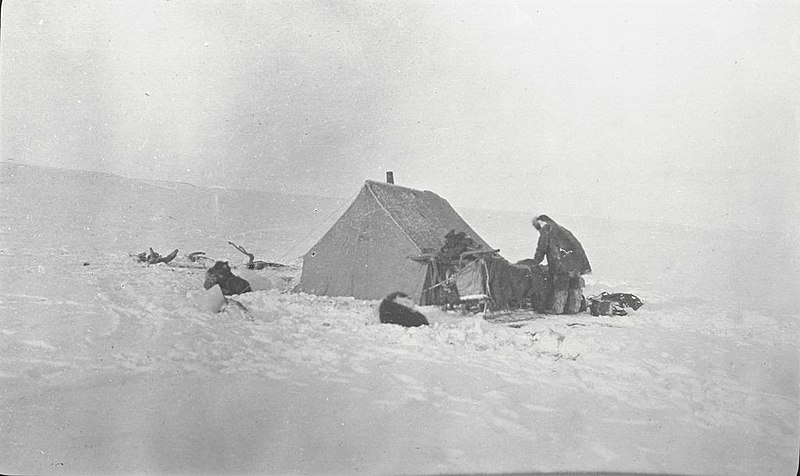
{"x": 613, "y": 304}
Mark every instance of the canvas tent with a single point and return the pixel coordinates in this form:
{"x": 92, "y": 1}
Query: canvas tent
{"x": 367, "y": 253}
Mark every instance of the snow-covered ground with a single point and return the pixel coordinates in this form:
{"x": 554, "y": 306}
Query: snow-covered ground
{"x": 108, "y": 365}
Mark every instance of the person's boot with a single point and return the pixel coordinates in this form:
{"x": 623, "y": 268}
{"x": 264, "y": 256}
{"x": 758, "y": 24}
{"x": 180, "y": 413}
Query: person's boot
{"x": 573, "y": 305}
{"x": 559, "y": 301}
{"x": 574, "y": 296}
{"x": 560, "y": 291}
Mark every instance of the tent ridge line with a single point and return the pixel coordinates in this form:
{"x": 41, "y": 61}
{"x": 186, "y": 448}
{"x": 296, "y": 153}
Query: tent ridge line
{"x": 383, "y": 207}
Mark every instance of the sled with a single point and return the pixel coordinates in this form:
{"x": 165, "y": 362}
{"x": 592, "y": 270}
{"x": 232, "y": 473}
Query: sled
{"x": 483, "y": 281}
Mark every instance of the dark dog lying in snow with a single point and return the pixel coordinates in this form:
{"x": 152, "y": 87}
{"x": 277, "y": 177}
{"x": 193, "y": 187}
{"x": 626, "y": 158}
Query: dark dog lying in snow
{"x": 397, "y": 308}
{"x": 228, "y": 282}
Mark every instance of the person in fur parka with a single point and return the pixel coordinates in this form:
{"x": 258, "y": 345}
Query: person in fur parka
{"x": 566, "y": 262}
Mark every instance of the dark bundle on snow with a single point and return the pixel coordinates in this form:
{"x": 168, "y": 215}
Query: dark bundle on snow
{"x": 397, "y": 308}
{"x": 457, "y": 243}
{"x": 613, "y": 304}
{"x": 152, "y": 257}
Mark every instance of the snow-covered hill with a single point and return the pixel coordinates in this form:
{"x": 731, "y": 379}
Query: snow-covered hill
{"x": 108, "y": 366}
{"x": 96, "y": 211}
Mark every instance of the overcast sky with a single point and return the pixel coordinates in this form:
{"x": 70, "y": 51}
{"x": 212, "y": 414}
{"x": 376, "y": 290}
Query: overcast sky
{"x": 673, "y": 111}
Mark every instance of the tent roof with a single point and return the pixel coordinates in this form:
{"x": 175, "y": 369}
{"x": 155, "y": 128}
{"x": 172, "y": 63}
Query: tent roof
{"x": 423, "y": 216}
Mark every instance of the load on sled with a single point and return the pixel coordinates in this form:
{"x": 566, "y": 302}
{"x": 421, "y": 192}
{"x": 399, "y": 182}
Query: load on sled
{"x": 466, "y": 275}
